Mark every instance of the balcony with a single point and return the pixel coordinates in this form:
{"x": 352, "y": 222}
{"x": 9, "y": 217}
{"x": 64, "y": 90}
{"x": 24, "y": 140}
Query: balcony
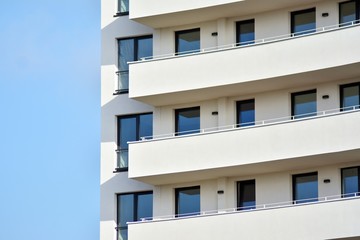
{"x": 273, "y": 145}
{"x": 171, "y": 13}
{"x": 268, "y": 64}
{"x": 327, "y": 219}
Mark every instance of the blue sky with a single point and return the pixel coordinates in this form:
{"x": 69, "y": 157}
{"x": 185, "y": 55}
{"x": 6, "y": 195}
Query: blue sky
{"x": 50, "y": 119}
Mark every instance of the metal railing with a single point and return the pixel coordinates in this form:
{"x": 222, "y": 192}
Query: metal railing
{"x": 253, "y": 42}
{"x": 247, "y": 125}
{"x": 259, "y": 207}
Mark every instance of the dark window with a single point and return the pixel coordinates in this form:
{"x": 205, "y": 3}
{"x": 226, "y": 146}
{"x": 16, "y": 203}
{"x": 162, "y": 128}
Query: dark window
{"x": 350, "y": 181}
{"x": 246, "y": 195}
{"x": 123, "y": 7}
{"x": 303, "y": 22}
{"x": 303, "y": 104}
{"x": 245, "y": 32}
{"x": 131, "y": 128}
{"x": 187, "y": 41}
{"x": 245, "y": 113}
{"x": 350, "y": 96}
{"x": 305, "y": 188}
{"x": 187, "y": 201}
{"x": 348, "y": 11}
{"x": 187, "y": 120}
{"x": 131, "y": 49}
{"x": 132, "y": 207}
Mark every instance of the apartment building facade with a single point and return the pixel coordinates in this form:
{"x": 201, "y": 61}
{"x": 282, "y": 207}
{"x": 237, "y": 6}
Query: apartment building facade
{"x": 226, "y": 119}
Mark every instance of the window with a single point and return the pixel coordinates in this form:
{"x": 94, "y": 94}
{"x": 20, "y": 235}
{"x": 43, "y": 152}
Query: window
{"x": 303, "y": 104}
{"x": 348, "y": 11}
{"x": 187, "y": 41}
{"x": 305, "y": 187}
{"x": 246, "y": 195}
{"x": 131, "y": 49}
{"x": 132, "y": 207}
{"x": 187, "y": 120}
{"x": 303, "y": 22}
{"x": 245, "y": 113}
{"x": 350, "y": 181}
{"x": 245, "y": 32}
{"x": 350, "y": 96}
{"x": 131, "y": 128}
{"x": 187, "y": 201}
{"x": 123, "y": 7}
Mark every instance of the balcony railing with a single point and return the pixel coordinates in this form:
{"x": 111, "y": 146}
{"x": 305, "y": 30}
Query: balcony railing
{"x": 260, "y": 207}
{"x": 122, "y": 82}
{"x": 255, "y": 42}
{"x": 246, "y": 125}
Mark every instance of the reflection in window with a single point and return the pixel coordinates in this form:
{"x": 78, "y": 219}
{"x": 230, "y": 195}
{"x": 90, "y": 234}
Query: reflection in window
{"x": 350, "y": 181}
{"x": 303, "y": 22}
{"x": 123, "y": 7}
{"x": 131, "y": 49}
{"x": 187, "y": 41}
{"x": 187, "y": 120}
{"x": 131, "y": 128}
{"x": 246, "y": 195}
{"x": 305, "y": 188}
{"x": 350, "y": 96}
{"x": 132, "y": 207}
{"x": 245, "y": 32}
{"x": 303, "y": 104}
{"x": 348, "y": 11}
{"x": 245, "y": 113}
{"x": 187, "y": 201}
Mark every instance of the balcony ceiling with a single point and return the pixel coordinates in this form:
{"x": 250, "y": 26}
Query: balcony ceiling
{"x": 173, "y": 17}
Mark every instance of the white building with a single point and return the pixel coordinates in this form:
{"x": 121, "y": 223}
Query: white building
{"x": 230, "y": 119}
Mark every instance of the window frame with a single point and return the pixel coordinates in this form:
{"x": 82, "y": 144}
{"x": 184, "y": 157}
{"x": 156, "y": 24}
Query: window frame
{"x": 179, "y": 133}
{"x": 297, "y": 201}
{"x": 239, "y": 195}
{"x": 238, "y": 24}
{"x": 118, "y": 10}
{"x": 177, "y": 33}
{"x": 238, "y": 103}
{"x": 292, "y": 25}
{"x": 344, "y": 195}
{"x": 177, "y": 190}
{"x": 133, "y": 58}
{"x": 357, "y": 10}
{"x": 342, "y": 87}
{"x": 293, "y": 95}
{"x": 134, "y": 210}
{"x": 118, "y": 140}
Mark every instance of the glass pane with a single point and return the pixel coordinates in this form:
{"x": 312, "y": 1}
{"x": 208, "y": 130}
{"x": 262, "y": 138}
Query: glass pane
{"x": 126, "y": 53}
{"x": 123, "y": 6}
{"x": 144, "y": 206}
{"x": 303, "y": 22}
{"x": 125, "y": 211}
{"x": 123, "y": 80}
{"x": 350, "y": 181}
{"x": 188, "y": 201}
{"x": 350, "y": 97}
{"x": 123, "y": 234}
{"x": 306, "y": 188}
{"x": 127, "y": 131}
{"x": 146, "y": 126}
{"x": 188, "y": 41}
{"x": 347, "y": 12}
{"x": 122, "y": 158}
{"x": 304, "y": 104}
{"x": 188, "y": 120}
{"x": 246, "y": 113}
{"x": 246, "y": 32}
{"x": 246, "y": 195}
{"x": 144, "y": 48}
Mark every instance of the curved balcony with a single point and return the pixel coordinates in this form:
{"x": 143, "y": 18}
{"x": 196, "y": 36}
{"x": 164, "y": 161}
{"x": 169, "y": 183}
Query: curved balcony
{"x": 274, "y": 145}
{"x": 171, "y": 13}
{"x": 269, "y": 64}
